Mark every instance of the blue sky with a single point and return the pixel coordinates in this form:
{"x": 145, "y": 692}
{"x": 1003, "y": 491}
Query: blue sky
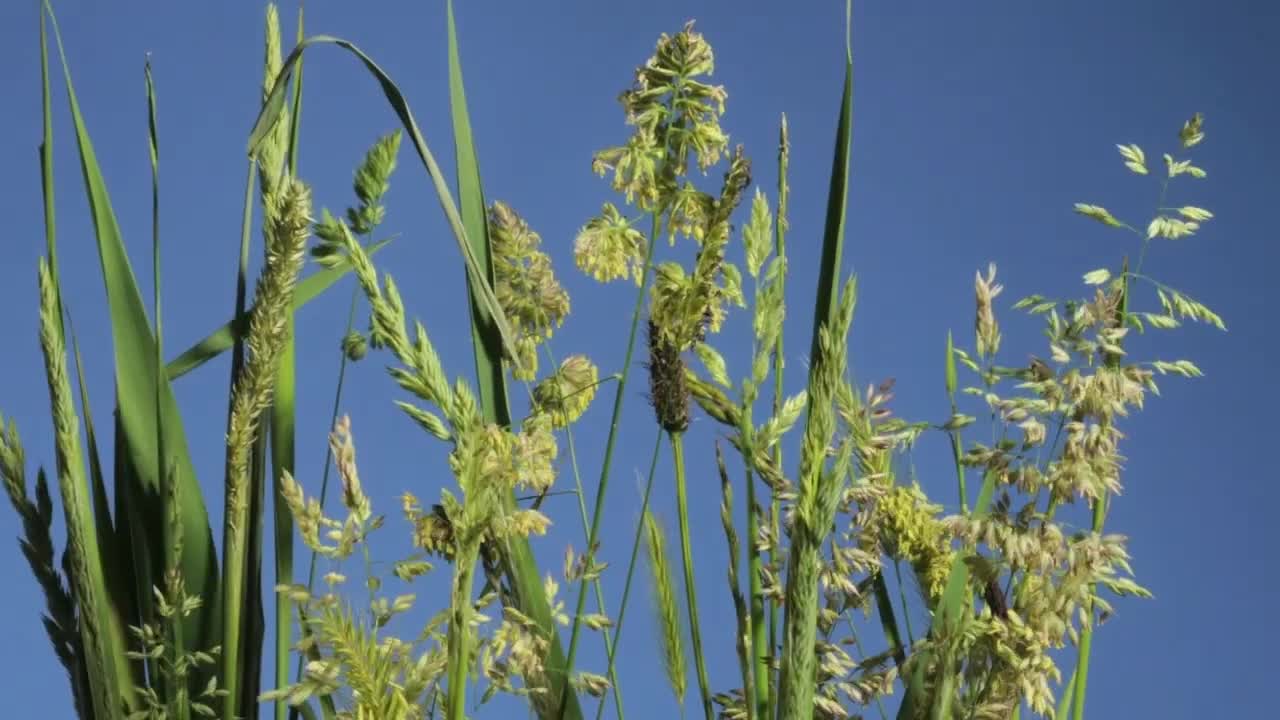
{"x": 976, "y": 127}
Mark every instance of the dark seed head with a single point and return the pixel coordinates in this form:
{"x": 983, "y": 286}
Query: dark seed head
{"x": 667, "y": 388}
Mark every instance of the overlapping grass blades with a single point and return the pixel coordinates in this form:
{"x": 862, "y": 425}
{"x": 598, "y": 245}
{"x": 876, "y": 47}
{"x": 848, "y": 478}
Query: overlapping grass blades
{"x": 496, "y": 337}
{"x": 139, "y": 432}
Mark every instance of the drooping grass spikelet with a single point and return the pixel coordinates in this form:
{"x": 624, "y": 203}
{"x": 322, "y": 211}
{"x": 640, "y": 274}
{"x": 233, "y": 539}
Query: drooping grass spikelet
{"x": 37, "y": 548}
{"x": 671, "y": 635}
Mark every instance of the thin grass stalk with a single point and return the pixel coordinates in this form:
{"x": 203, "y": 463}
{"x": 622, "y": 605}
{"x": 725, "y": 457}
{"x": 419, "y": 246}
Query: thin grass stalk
{"x": 957, "y": 446}
{"x": 775, "y": 503}
{"x": 460, "y": 633}
{"x": 616, "y": 691}
{"x": 690, "y": 584}
{"x": 631, "y": 564}
{"x": 759, "y": 664}
{"x": 746, "y": 634}
{"x": 46, "y": 167}
{"x": 326, "y": 702}
{"x": 610, "y": 441}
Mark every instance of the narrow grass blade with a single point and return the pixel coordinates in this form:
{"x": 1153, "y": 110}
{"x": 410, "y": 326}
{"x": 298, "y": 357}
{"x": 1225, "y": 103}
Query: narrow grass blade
{"x": 488, "y": 339}
{"x": 797, "y": 692}
{"x": 135, "y": 383}
{"x": 283, "y": 440}
{"x": 46, "y": 164}
{"x": 222, "y": 339}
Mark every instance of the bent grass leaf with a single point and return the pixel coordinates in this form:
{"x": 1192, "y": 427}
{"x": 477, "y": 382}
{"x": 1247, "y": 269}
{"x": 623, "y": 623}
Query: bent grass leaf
{"x": 275, "y": 105}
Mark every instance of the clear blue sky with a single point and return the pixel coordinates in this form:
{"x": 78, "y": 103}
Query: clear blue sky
{"x": 977, "y": 125}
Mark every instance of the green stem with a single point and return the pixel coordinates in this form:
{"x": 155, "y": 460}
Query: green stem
{"x": 614, "y": 423}
{"x": 595, "y": 582}
{"x": 756, "y": 586}
{"x": 459, "y": 635}
{"x": 902, "y": 598}
{"x": 690, "y": 589}
{"x": 756, "y": 624}
{"x": 631, "y": 565}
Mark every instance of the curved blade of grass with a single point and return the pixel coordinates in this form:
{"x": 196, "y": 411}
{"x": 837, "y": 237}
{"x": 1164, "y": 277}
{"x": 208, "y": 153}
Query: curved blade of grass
{"x": 275, "y": 105}
{"x": 222, "y": 339}
{"x": 488, "y": 337}
{"x": 136, "y": 380}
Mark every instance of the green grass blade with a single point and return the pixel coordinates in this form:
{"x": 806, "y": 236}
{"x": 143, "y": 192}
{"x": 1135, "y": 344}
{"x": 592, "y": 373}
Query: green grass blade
{"x": 222, "y": 339}
{"x": 487, "y": 338}
{"x": 275, "y": 105}
{"x": 101, "y": 506}
{"x": 46, "y": 164}
{"x": 117, "y": 566}
{"x": 824, "y": 310}
{"x": 837, "y": 206}
{"x": 135, "y": 383}
{"x": 490, "y": 376}
{"x": 283, "y": 446}
{"x": 176, "y": 640}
